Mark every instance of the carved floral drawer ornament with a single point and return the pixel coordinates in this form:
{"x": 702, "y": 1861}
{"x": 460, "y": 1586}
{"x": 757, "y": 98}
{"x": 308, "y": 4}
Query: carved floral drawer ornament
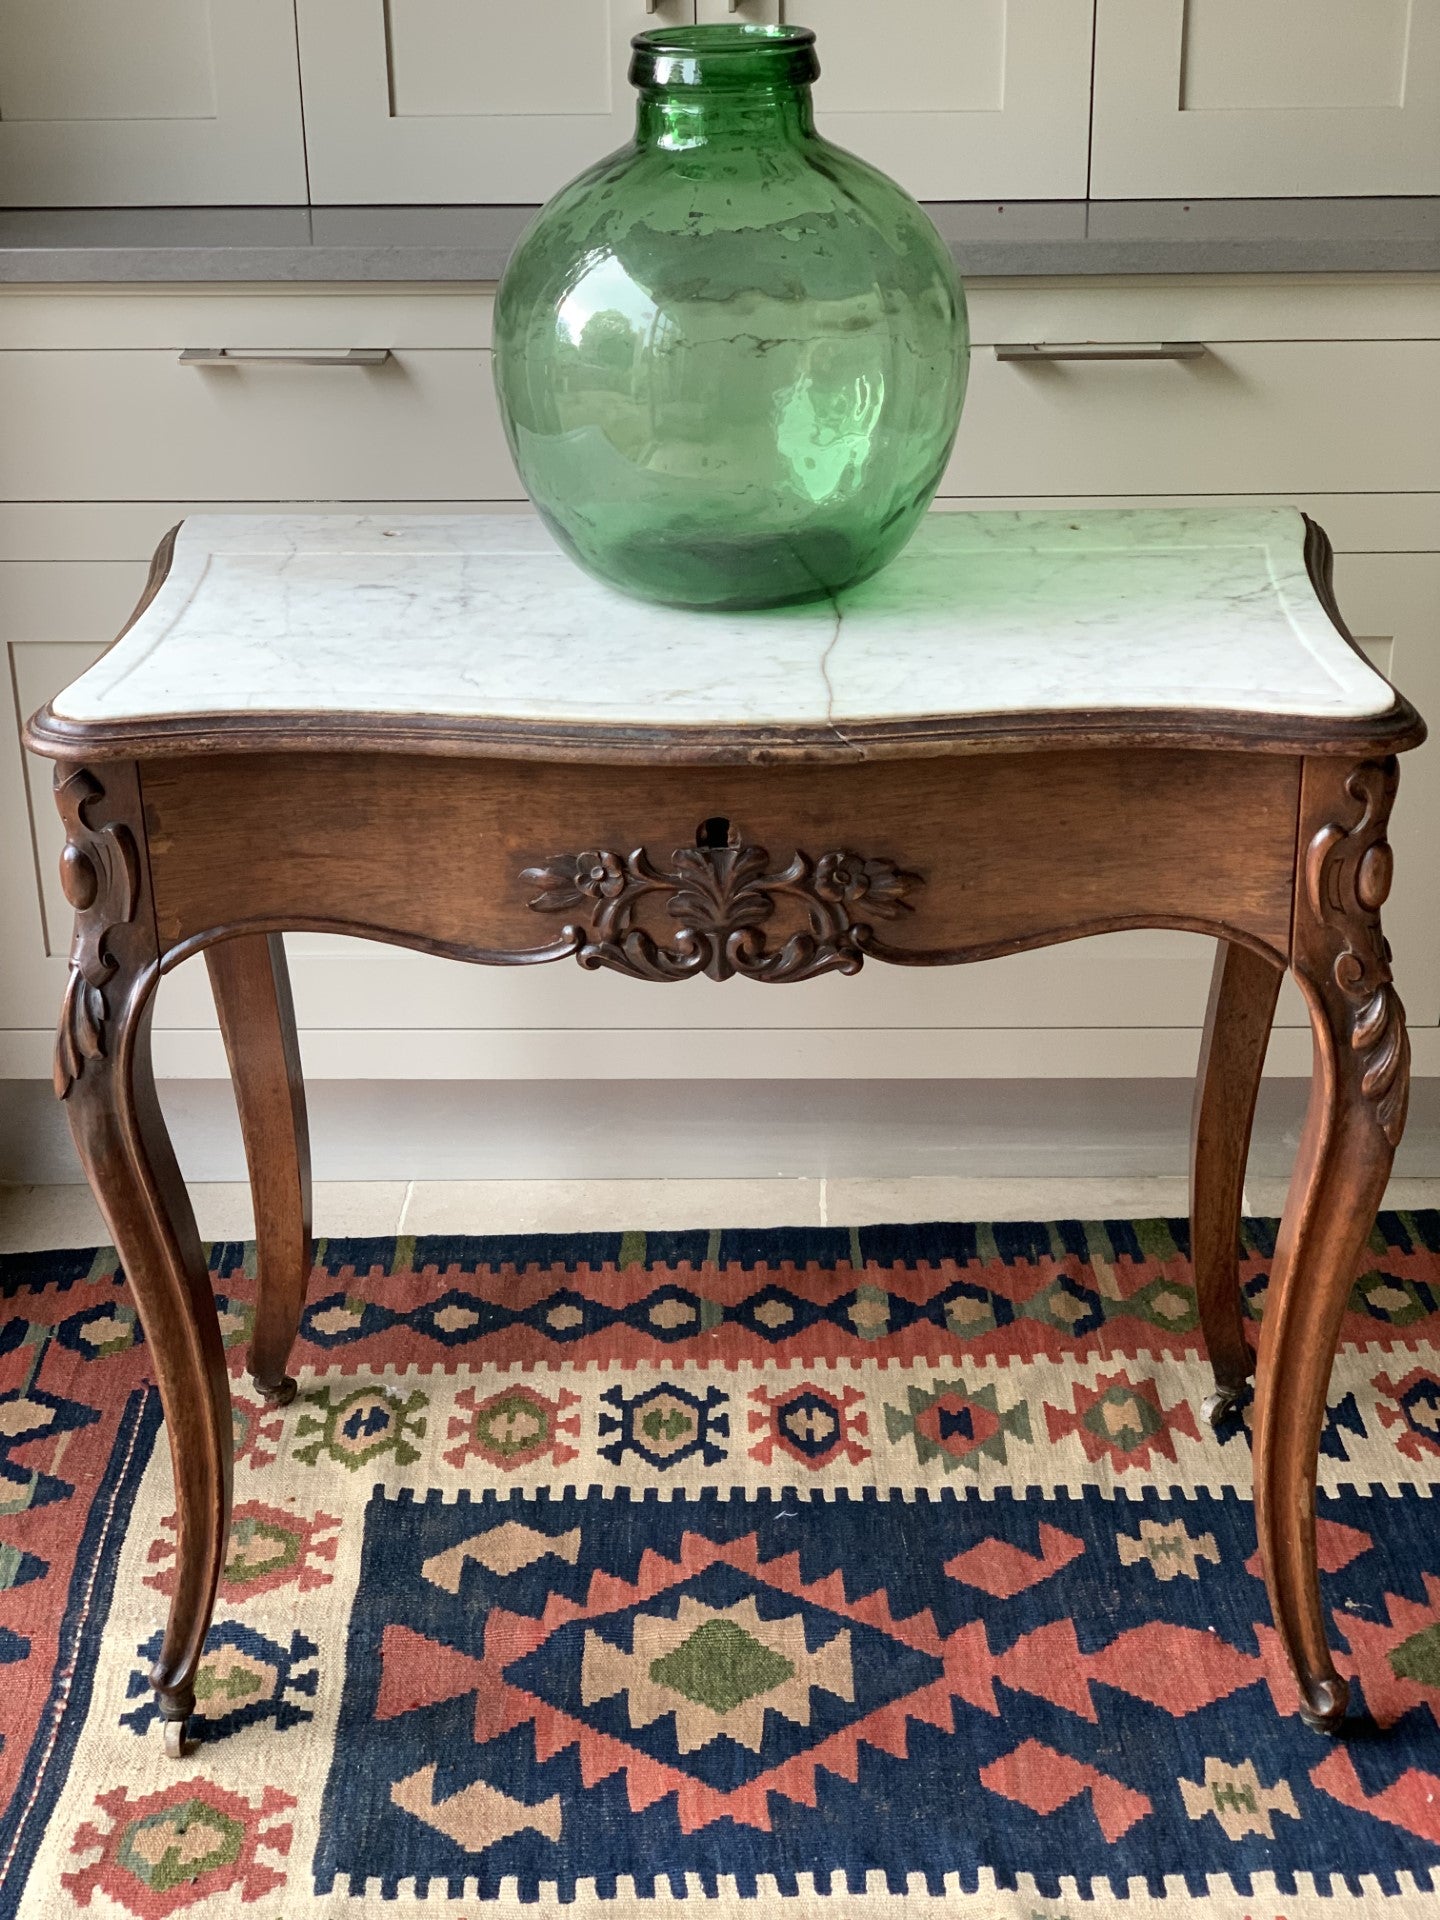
{"x": 724, "y": 895}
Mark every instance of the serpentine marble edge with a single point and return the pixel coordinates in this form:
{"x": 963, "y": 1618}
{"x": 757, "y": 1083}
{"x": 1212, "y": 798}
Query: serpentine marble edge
{"x": 481, "y": 615}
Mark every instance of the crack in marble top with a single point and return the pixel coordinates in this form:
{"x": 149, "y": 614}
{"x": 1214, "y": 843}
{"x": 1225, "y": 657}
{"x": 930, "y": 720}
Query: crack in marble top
{"x": 480, "y": 616}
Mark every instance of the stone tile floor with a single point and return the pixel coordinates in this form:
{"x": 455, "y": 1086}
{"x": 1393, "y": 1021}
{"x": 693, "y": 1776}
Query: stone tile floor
{"x": 32, "y": 1218}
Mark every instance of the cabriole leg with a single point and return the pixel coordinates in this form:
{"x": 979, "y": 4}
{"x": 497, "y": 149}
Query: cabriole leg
{"x": 103, "y": 1074}
{"x": 1243, "y": 991}
{"x": 1356, "y": 1115}
{"x": 257, "y": 1017}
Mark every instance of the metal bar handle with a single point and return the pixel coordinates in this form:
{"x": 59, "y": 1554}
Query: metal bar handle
{"x": 1103, "y": 350}
{"x": 304, "y": 357}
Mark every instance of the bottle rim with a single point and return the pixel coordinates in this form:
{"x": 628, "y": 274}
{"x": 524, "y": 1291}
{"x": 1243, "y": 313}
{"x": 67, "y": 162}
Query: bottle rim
{"x": 738, "y": 55}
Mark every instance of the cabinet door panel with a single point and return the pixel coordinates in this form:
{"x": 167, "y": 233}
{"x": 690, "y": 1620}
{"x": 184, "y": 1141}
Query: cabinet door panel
{"x": 958, "y": 99}
{"x": 162, "y": 102}
{"x": 459, "y": 100}
{"x": 1213, "y": 98}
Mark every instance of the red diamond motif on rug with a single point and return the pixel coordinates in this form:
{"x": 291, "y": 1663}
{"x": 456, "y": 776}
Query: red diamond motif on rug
{"x": 1411, "y": 1802}
{"x": 1040, "y": 1778}
{"x": 1335, "y": 1547}
{"x": 1177, "y": 1668}
{"x": 1002, "y": 1570}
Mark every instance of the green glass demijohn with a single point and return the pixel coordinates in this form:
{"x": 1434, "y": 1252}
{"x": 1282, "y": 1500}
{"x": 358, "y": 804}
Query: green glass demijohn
{"x": 731, "y": 357}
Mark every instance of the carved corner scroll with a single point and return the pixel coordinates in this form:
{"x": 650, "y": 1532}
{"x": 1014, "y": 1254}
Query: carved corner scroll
{"x": 727, "y": 899}
{"x": 100, "y": 873}
{"x": 1348, "y": 869}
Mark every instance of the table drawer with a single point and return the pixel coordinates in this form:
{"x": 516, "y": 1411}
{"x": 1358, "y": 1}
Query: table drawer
{"x": 56, "y": 616}
{"x": 1261, "y": 416}
{"x": 95, "y": 424}
{"x": 498, "y": 846}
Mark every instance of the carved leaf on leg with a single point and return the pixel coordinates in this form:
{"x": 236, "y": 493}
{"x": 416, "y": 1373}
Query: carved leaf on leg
{"x": 1348, "y": 871}
{"x": 724, "y": 898}
{"x": 99, "y": 871}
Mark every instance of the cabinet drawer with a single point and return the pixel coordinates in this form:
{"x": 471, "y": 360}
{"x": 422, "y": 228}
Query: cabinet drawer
{"x": 1213, "y": 307}
{"x": 1269, "y": 416}
{"x": 254, "y": 315}
{"x": 1156, "y": 307}
{"x": 1286, "y": 417}
{"x": 92, "y": 424}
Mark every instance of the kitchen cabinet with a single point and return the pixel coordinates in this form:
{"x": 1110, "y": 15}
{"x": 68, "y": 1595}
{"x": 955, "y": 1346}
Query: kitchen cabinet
{"x": 456, "y": 100}
{"x": 160, "y": 102}
{"x": 1252, "y": 98}
{"x": 450, "y": 100}
{"x": 192, "y": 102}
{"x": 957, "y": 99}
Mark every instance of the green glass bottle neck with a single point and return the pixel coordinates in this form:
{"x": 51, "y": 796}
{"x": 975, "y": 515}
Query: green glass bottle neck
{"x": 683, "y": 118}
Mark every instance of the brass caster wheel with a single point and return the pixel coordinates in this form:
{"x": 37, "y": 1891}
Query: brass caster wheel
{"x": 1217, "y": 1407}
{"x": 175, "y": 1739}
{"x": 279, "y": 1395}
{"x": 1324, "y": 1711}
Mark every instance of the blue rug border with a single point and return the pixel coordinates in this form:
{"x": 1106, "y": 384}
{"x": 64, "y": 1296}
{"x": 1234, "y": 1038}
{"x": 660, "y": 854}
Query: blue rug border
{"x": 81, "y": 1630}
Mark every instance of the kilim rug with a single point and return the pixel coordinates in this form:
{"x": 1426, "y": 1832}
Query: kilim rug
{"x": 764, "y": 1574}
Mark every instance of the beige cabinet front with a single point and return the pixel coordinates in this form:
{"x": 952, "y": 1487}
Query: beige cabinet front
{"x": 108, "y": 424}
{"x": 461, "y": 99}
{"x": 1245, "y": 416}
{"x": 1219, "y": 98}
{"x": 464, "y": 100}
{"x": 159, "y": 102}
{"x": 166, "y": 102}
{"x": 957, "y": 99}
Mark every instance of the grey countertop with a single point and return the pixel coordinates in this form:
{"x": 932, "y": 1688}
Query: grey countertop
{"x": 168, "y": 244}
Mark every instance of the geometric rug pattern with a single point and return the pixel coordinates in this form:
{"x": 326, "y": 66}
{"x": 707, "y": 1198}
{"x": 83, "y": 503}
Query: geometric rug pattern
{"x": 864, "y": 1571}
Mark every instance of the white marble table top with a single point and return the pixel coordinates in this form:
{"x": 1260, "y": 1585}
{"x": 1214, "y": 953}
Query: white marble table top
{"x": 480, "y": 616}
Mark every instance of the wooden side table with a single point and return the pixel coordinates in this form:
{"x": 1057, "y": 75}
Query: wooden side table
{"x": 437, "y": 732}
